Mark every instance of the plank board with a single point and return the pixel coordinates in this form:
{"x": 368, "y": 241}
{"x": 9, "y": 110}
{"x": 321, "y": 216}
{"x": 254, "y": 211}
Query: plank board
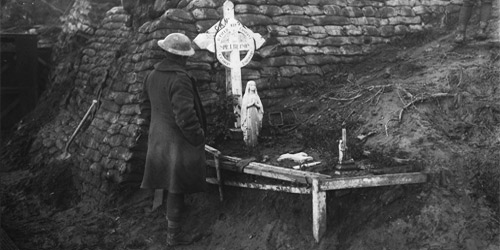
{"x": 372, "y": 181}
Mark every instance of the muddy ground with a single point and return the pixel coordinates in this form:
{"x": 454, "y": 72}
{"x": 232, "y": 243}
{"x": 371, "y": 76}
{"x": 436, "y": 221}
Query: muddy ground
{"x": 422, "y": 102}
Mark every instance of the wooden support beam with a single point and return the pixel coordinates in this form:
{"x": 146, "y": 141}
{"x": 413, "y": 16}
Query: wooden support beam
{"x": 318, "y": 210}
{"x": 225, "y": 165}
{"x": 372, "y": 181}
{"x": 278, "y": 188}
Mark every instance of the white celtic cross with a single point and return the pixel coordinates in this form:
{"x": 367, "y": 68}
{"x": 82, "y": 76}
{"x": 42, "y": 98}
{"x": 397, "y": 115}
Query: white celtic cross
{"x": 227, "y": 38}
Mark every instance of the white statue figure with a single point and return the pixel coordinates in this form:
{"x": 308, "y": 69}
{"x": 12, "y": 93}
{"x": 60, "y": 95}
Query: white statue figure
{"x": 252, "y": 113}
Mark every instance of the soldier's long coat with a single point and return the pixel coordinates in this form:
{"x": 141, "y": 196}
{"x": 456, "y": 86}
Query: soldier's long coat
{"x": 176, "y": 157}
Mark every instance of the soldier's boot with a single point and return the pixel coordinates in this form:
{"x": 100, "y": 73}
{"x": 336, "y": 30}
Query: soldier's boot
{"x": 176, "y": 237}
{"x": 463, "y": 19}
{"x": 484, "y": 18}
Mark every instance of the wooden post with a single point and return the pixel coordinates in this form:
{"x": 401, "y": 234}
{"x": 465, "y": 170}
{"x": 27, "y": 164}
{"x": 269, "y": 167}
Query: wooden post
{"x": 318, "y": 210}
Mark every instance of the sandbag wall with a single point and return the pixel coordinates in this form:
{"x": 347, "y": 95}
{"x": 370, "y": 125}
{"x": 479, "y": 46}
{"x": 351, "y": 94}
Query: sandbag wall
{"x": 305, "y": 41}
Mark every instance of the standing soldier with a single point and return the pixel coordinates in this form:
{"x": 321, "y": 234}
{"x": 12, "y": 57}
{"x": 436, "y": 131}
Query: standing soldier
{"x": 176, "y": 146}
{"x": 465, "y": 14}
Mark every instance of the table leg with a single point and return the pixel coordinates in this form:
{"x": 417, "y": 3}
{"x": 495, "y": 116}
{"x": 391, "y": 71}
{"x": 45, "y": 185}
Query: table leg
{"x": 318, "y": 210}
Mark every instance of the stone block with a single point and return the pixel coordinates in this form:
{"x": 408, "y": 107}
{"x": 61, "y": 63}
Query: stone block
{"x": 404, "y": 20}
{"x": 405, "y": 2}
{"x": 193, "y": 65}
{"x": 372, "y": 21}
{"x": 270, "y": 10}
{"x": 139, "y": 120}
{"x": 121, "y": 98}
{"x": 269, "y": 71}
{"x": 93, "y": 155}
{"x": 130, "y": 130}
{"x": 331, "y": 50}
{"x": 246, "y": 9}
{"x": 204, "y": 25}
{"x": 115, "y": 140}
{"x": 352, "y": 30}
{"x": 297, "y": 40}
{"x": 110, "y": 116}
{"x": 364, "y": 3}
{"x": 194, "y": 4}
{"x": 401, "y": 29}
{"x": 287, "y": 20}
{"x": 312, "y": 50}
{"x": 331, "y": 20}
{"x": 420, "y": 9}
{"x": 333, "y": 10}
{"x": 170, "y": 24}
{"x": 201, "y": 75}
{"x": 100, "y": 124}
{"x": 317, "y": 30}
{"x": 144, "y": 65}
{"x": 130, "y": 109}
{"x": 254, "y": 19}
{"x": 351, "y": 49}
{"x": 89, "y": 52}
{"x": 110, "y": 105}
{"x": 114, "y": 129}
{"x": 120, "y": 153}
{"x": 283, "y": 60}
{"x": 352, "y": 11}
{"x": 161, "y": 6}
{"x": 122, "y": 18}
{"x": 284, "y": 2}
{"x": 386, "y": 12}
{"x": 289, "y": 71}
{"x": 276, "y": 30}
{"x": 205, "y": 13}
{"x": 298, "y": 30}
{"x": 405, "y": 11}
{"x": 371, "y": 31}
{"x": 434, "y": 2}
{"x": 387, "y": 31}
{"x": 112, "y": 26}
{"x": 96, "y": 168}
{"x": 311, "y": 70}
{"x": 313, "y": 10}
{"x": 119, "y": 86}
{"x": 60, "y": 144}
{"x": 203, "y": 56}
{"x": 334, "y": 30}
{"x": 289, "y": 9}
{"x": 342, "y": 3}
{"x": 335, "y": 41}
{"x": 294, "y": 50}
{"x": 321, "y": 59}
{"x": 250, "y": 74}
{"x": 256, "y": 2}
{"x": 129, "y": 142}
{"x": 124, "y": 119}
{"x": 415, "y": 28}
{"x": 369, "y": 11}
{"x": 274, "y": 94}
{"x": 108, "y": 163}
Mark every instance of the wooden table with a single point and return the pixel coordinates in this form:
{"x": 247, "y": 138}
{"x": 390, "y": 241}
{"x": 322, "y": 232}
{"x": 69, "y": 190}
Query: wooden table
{"x": 313, "y": 183}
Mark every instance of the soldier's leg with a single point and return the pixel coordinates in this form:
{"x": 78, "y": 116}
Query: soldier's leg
{"x": 485, "y": 14}
{"x": 463, "y": 20}
{"x": 175, "y": 207}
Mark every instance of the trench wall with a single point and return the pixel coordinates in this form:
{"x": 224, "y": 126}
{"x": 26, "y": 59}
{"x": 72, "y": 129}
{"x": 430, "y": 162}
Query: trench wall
{"x": 305, "y": 41}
